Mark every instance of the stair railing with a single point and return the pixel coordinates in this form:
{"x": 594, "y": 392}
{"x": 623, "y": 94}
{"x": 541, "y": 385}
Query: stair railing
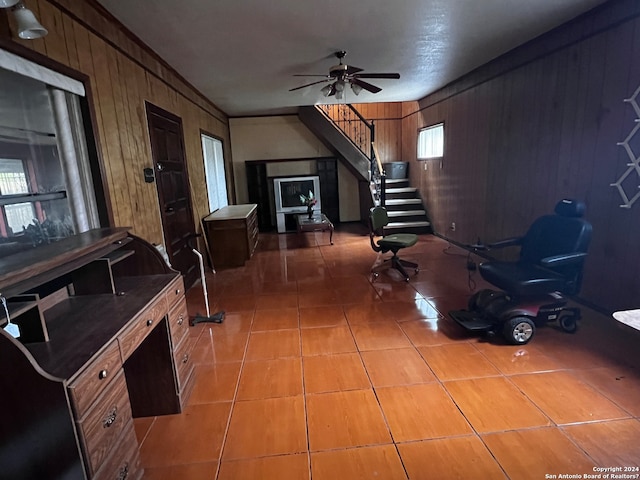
{"x": 378, "y": 176}
{"x": 362, "y": 133}
{"x": 353, "y": 125}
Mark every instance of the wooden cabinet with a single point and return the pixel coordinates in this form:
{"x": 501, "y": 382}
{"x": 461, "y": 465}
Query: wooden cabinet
{"x": 103, "y": 338}
{"x": 231, "y": 234}
{"x": 260, "y": 186}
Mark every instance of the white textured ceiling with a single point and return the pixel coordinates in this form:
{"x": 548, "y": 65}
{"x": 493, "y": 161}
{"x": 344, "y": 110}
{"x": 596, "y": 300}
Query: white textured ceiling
{"x": 241, "y": 54}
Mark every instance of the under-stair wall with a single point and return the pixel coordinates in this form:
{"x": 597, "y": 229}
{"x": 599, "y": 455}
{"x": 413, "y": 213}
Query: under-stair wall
{"x": 336, "y": 141}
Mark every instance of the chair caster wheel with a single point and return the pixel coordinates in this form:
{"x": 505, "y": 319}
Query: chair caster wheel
{"x": 417, "y": 270}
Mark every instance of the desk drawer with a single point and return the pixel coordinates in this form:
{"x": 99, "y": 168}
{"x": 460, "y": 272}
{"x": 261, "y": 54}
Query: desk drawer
{"x": 124, "y": 461}
{"x": 178, "y": 322}
{"x": 184, "y": 362}
{"x": 94, "y": 379}
{"x": 175, "y": 292}
{"x": 105, "y": 423}
{"x": 140, "y": 327}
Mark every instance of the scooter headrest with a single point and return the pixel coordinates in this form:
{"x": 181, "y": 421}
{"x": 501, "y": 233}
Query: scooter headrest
{"x": 570, "y": 208}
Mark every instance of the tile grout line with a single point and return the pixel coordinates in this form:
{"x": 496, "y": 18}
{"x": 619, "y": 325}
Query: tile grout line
{"x": 233, "y": 401}
{"x": 475, "y": 432}
{"x": 304, "y": 398}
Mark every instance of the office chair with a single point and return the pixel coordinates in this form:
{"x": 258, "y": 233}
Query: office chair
{"x": 378, "y": 219}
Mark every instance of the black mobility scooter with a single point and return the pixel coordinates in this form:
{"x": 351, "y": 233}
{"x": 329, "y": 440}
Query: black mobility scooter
{"x": 552, "y": 255}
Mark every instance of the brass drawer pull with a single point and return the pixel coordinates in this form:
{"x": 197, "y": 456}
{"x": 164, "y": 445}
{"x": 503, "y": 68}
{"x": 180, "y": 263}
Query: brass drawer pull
{"x": 149, "y": 323}
{"x": 181, "y": 320}
{"x": 124, "y": 471}
{"x": 103, "y": 374}
{"x": 178, "y": 291}
{"x": 111, "y": 418}
{"x": 185, "y": 359}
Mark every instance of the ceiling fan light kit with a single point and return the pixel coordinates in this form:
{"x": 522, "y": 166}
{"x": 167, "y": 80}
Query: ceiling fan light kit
{"x": 28, "y": 26}
{"x": 342, "y": 74}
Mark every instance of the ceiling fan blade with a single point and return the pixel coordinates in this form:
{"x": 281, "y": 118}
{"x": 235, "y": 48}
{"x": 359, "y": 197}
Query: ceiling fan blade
{"x": 366, "y": 86}
{"x": 394, "y": 76}
{"x": 351, "y": 70}
{"x": 309, "y": 84}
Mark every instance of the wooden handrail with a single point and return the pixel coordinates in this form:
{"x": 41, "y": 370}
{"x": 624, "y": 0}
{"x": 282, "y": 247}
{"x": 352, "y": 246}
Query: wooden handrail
{"x": 378, "y": 161}
{"x": 359, "y": 115}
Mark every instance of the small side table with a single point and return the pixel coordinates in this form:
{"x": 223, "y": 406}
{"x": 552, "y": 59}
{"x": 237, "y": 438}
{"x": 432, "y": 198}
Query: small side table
{"x": 317, "y": 223}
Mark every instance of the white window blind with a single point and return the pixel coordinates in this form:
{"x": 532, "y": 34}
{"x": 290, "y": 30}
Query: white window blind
{"x": 214, "y": 171}
{"x": 17, "y": 64}
{"x": 431, "y": 142}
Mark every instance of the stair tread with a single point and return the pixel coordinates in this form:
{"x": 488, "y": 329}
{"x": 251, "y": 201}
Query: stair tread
{"x": 396, "y": 180}
{"x": 401, "y": 201}
{"x": 407, "y": 224}
{"x": 405, "y": 213}
{"x": 401, "y": 189}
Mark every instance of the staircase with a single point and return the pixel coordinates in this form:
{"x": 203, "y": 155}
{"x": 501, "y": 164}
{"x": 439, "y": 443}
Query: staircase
{"x": 336, "y": 140}
{"x": 404, "y": 207}
{"x": 351, "y": 137}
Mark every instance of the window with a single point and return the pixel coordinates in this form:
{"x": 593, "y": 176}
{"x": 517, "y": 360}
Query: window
{"x": 431, "y": 142}
{"x": 214, "y": 172}
{"x": 13, "y": 181}
{"x": 46, "y": 187}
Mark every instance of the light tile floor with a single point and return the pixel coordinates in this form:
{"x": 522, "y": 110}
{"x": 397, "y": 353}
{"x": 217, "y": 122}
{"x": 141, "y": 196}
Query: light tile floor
{"x": 318, "y": 373}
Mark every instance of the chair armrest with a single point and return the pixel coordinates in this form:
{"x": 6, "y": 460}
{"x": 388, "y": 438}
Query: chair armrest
{"x": 508, "y": 242}
{"x": 562, "y": 260}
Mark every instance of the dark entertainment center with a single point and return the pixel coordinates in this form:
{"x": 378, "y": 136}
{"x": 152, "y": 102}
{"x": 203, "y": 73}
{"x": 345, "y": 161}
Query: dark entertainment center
{"x": 260, "y": 187}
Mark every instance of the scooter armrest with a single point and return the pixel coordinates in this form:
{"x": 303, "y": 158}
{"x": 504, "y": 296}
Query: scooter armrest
{"x": 508, "y": 242}
{"x": 562, "y": 260}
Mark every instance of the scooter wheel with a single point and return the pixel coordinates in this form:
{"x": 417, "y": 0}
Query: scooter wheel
{"x": 519, "y": 330}
{"x": 568, "y": 323}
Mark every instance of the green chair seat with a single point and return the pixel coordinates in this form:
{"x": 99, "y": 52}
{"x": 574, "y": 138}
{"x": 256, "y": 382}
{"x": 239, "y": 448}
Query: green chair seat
{"x": 402, "y": 240}
{"x": 378, "y": 219}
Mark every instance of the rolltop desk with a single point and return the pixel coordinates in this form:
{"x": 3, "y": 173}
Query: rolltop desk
{"x": 103, "y": 337}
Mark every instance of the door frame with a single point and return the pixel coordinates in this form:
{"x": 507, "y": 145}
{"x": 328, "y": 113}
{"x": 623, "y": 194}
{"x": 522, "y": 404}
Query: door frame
{"x": 151, "y": 109}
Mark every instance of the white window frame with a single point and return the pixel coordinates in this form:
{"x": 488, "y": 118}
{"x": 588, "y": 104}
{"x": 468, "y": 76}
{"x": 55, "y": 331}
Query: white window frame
{"x": 214, "y": 170}
{"x": 430, "y": 144}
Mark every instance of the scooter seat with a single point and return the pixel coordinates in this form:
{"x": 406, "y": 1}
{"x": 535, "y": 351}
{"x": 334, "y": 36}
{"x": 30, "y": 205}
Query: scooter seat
{"x": 522, "y": 279}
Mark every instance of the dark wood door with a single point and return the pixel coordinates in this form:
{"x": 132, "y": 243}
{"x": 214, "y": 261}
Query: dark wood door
{"x": 172, "y": 181}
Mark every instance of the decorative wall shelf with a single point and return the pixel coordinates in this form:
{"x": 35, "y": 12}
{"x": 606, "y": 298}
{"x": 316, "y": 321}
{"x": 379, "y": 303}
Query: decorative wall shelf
{"x": 633, "y": 168}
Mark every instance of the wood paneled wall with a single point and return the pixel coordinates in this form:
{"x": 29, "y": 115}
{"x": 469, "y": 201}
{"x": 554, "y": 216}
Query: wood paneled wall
{"x": 122, "y": 76}
{"x": 387, "y": 118}
{"x": 537, "y": 125}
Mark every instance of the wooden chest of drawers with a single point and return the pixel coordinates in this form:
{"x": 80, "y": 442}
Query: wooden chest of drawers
{"x": 232, "y": 234}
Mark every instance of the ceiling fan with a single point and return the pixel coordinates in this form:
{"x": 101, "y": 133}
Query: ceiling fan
{"x": 342, "y": 74}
